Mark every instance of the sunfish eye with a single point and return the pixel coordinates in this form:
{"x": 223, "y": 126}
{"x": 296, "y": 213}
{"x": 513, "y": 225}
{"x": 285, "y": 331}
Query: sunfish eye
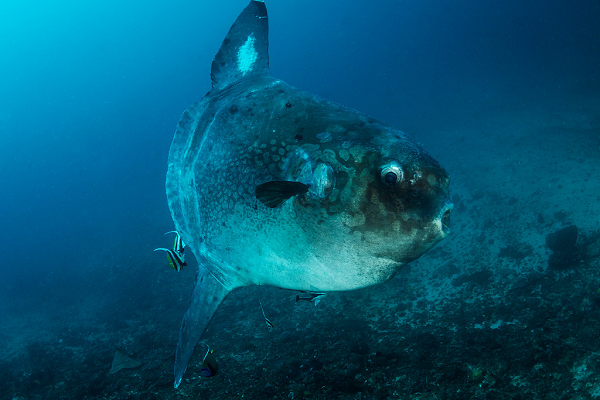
{"x": 391, "y": 174}
{"x": 390, "y": 178}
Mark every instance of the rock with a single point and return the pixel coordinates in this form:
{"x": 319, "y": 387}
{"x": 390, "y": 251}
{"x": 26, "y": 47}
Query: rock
{"x": 123, "y": 361}
{"x": 563, "y": 241}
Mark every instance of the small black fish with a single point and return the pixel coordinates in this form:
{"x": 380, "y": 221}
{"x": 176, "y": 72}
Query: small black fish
{"x": 209, "y": 364}
{"x": 275, "y": 193}
{"x": 311, "y": 296}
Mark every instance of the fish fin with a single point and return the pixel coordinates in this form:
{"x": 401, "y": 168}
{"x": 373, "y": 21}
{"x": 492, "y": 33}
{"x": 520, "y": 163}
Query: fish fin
{"x": 245, "y": 50}
{"x": 317, "y": 299}
{"x": 275, "y": 193}
{"x": 207, "y": 296}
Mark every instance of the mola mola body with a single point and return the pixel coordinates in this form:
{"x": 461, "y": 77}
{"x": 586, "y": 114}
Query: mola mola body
{"x": 270, "y": 185}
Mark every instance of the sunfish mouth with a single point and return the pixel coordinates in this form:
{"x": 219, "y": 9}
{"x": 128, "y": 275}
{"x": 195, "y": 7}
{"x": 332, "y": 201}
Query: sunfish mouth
{"x": 445, "y": 216}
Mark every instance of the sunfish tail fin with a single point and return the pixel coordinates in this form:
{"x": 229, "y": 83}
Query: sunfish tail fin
{"x": 207, "y": 296}
{"x": 245, "y": 50}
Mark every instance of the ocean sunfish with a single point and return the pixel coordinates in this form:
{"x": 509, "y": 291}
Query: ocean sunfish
{"x": 270, "y": 185}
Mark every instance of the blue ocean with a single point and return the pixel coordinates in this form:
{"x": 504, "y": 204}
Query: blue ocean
{"x": 504, "y": 95}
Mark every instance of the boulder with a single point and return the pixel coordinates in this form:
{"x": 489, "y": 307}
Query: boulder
{"x": 122, "y": 361}
{"x": 563, "y": 241}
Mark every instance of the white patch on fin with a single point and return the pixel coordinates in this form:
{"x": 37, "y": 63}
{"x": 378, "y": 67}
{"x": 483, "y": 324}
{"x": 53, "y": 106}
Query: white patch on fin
{"x": 247, "y": 56}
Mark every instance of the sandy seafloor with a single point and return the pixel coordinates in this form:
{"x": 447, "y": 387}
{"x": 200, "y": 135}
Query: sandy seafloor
{"x": 480, "y": 316}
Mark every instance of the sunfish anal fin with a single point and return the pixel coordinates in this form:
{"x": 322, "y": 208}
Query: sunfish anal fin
{"x": 207, "y": 296}
{"x": 245, "y": 50}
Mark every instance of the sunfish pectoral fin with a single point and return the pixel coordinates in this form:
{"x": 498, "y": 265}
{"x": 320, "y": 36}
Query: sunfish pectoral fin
{"x": 275, "y": 193}
{"x": 207, "y": 296}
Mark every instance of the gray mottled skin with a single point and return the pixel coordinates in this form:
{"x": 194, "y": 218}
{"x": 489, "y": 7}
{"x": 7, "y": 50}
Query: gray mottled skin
{"x": 352, "y": 229}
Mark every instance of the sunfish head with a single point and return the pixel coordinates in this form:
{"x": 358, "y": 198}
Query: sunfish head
{"x": 389, "y": 202}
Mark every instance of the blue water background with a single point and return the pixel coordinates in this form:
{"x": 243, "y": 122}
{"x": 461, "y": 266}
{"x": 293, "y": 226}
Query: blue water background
{"x": 90, "y": 94}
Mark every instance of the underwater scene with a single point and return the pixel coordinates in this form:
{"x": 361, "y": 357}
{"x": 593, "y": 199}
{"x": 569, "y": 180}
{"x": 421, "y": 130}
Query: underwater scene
{"x": 252, "y": 199}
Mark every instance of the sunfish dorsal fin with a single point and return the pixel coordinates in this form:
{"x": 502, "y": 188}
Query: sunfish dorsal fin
{"x": 245, "y": 50}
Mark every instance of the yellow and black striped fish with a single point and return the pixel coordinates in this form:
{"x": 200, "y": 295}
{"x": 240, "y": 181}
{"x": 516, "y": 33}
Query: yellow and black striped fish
{"x": 176, "y": 260}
